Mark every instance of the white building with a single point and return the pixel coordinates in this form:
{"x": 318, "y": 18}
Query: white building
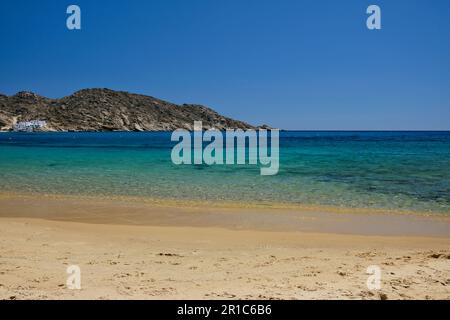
{"x": 29, "y": 126}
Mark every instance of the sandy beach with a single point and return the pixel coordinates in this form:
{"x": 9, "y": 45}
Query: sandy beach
{"x": 167, "y": 251}
{"x": 224, "y": 150}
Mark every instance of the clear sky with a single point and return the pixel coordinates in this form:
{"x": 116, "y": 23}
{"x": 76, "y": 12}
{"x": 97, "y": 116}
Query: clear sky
{"x": 292, "y": 64}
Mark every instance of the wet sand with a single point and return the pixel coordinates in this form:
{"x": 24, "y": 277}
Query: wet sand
{"x": 234, "y": 216}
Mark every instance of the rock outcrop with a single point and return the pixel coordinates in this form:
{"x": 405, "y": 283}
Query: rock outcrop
{"x": 108, "y": 110}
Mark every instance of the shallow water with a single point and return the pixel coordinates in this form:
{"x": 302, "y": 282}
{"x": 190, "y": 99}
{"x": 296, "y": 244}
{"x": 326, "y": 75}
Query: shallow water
{"x": 392, "y": 170}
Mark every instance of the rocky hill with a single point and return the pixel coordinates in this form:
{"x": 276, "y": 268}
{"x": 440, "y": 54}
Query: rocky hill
{"x": 108, "y": 110}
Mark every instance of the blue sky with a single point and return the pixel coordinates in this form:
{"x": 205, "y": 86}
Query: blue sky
{"x": 293, "y": 64}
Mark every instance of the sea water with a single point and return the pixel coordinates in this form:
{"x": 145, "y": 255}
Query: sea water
{"x": 388, "y": 170}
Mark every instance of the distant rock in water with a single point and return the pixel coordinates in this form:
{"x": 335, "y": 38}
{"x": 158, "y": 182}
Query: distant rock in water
{"x": 108, "y": 110}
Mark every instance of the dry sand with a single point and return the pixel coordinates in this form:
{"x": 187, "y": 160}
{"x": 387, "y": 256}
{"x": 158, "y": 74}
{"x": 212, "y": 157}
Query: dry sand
{"x": 216, "y": 253}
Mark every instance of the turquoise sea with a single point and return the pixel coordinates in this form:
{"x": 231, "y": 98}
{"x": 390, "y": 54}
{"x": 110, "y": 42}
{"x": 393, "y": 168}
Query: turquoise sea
{"x": 391, "y": 170}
